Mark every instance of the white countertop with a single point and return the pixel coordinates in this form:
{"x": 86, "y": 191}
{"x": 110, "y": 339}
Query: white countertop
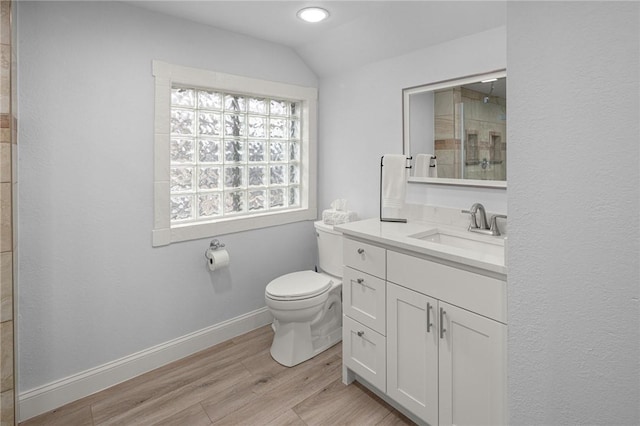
{"x": 399, "y": 235}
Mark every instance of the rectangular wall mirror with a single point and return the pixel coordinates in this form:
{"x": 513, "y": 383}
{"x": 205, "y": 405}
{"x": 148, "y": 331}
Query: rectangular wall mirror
{"x": 456, "y": 131}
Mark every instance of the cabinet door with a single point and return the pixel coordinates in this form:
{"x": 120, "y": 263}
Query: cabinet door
{"x": 363, "y": 299}
{"x": 412, "y": 351}
{"x": 472, "y": 368}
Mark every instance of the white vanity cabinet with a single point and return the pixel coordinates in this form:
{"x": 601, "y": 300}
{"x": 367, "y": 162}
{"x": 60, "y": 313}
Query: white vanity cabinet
{"x": 443, "y": 328}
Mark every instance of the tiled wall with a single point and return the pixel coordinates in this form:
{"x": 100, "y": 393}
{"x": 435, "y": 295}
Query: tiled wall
{"x": 7, "y": 207}
{"x": 483, "y": 121}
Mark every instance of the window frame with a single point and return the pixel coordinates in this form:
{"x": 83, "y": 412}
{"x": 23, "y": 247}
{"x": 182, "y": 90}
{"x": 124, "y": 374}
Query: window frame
{"x": 166, "y": 75}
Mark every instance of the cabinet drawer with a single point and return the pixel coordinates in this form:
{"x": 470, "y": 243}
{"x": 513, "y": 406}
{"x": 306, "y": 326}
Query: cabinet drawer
{"x": 364, "y": 352}
{"x": 365, "y": 257}
{"x": 477, "y": 293}
{"x": 363, "y": 299}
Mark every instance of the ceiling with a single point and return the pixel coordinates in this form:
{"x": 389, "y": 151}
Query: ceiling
{"x": 356, "y": 32}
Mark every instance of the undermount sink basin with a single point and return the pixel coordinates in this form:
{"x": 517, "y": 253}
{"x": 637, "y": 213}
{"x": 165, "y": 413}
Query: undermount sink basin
{"x": 482, "y": 245}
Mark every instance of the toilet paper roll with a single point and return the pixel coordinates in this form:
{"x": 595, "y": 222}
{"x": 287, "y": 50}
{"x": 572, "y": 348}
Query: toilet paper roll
{"x": 217, "y": 259}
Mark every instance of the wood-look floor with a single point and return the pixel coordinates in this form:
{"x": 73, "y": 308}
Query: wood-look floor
{"x": 233, "y": 383}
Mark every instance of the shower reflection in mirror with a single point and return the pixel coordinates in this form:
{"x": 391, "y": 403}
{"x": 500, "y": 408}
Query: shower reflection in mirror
{"x": 462, "y": 123}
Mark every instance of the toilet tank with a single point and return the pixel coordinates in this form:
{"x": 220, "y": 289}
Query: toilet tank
{"x": 329, "y": 249}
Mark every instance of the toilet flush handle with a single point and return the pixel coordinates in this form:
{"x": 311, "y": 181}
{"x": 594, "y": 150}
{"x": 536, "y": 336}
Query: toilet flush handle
{"x": 360, "y": 333}
{"x": 360, "y": 250}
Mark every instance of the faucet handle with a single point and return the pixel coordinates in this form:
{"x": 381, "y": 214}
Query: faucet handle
{"x": 494, "y": 225}
{"x": 474, "y": 222}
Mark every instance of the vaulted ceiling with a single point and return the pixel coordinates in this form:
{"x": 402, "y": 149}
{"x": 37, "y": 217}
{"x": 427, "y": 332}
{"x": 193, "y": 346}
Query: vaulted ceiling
{"x": 356, "y": 33}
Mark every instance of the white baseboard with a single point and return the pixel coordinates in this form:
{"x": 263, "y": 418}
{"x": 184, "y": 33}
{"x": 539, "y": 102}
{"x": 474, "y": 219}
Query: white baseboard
{"x": 56, "y": 394}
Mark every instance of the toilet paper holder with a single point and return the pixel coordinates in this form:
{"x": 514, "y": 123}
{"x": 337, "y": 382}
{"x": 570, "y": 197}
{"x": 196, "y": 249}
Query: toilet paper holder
{"x": 215, "y": 244}
{"x": 217, "y": 256}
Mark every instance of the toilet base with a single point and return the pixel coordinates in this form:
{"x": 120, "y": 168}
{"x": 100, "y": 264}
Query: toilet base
{"x": 323, "y": 343}
{"x": 292, "y": 346}
{"x": 297, "y": 341}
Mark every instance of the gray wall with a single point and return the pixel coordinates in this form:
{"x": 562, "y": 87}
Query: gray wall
{"x": 91, "y": 287}
{"x": 574, "y": 347}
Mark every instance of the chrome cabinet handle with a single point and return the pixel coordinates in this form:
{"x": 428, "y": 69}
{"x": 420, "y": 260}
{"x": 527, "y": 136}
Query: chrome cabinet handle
{"x": 360, "y": 280}
{"x": 360, "y": 250}
{"x": 429, "y": 323}
{"x": 442, "y": 329}
{"x": 360, "y": 333}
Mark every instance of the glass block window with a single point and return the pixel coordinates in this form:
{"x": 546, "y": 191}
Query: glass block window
{"x": 232, "y": 154}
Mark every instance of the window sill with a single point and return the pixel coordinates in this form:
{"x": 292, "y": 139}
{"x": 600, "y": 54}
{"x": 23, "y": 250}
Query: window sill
{"x": 195, "y": 231}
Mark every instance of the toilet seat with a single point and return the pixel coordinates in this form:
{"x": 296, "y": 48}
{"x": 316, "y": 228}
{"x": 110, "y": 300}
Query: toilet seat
{"x": 298, "y": 286}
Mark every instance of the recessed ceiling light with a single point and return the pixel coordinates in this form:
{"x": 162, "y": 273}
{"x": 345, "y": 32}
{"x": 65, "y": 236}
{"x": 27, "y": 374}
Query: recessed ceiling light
{"x": 313, "y": 14}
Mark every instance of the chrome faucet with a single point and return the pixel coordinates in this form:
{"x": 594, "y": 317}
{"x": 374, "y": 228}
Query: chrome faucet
{"x": 476, "y": 209}
{"x": 479, "y": 220}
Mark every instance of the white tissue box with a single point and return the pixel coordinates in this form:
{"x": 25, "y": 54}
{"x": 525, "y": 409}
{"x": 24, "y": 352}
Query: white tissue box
{"x": 336, "y": 217}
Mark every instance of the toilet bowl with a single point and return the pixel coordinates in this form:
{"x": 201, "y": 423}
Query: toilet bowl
{"x": 307, "y": 305}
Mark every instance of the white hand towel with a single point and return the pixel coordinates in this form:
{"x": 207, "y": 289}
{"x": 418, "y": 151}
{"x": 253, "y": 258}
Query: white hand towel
{"x": 423, "y": 161}
{"x": 394, "y": 180}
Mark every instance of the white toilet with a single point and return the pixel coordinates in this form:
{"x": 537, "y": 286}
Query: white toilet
{"x": 307, "y": 305}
